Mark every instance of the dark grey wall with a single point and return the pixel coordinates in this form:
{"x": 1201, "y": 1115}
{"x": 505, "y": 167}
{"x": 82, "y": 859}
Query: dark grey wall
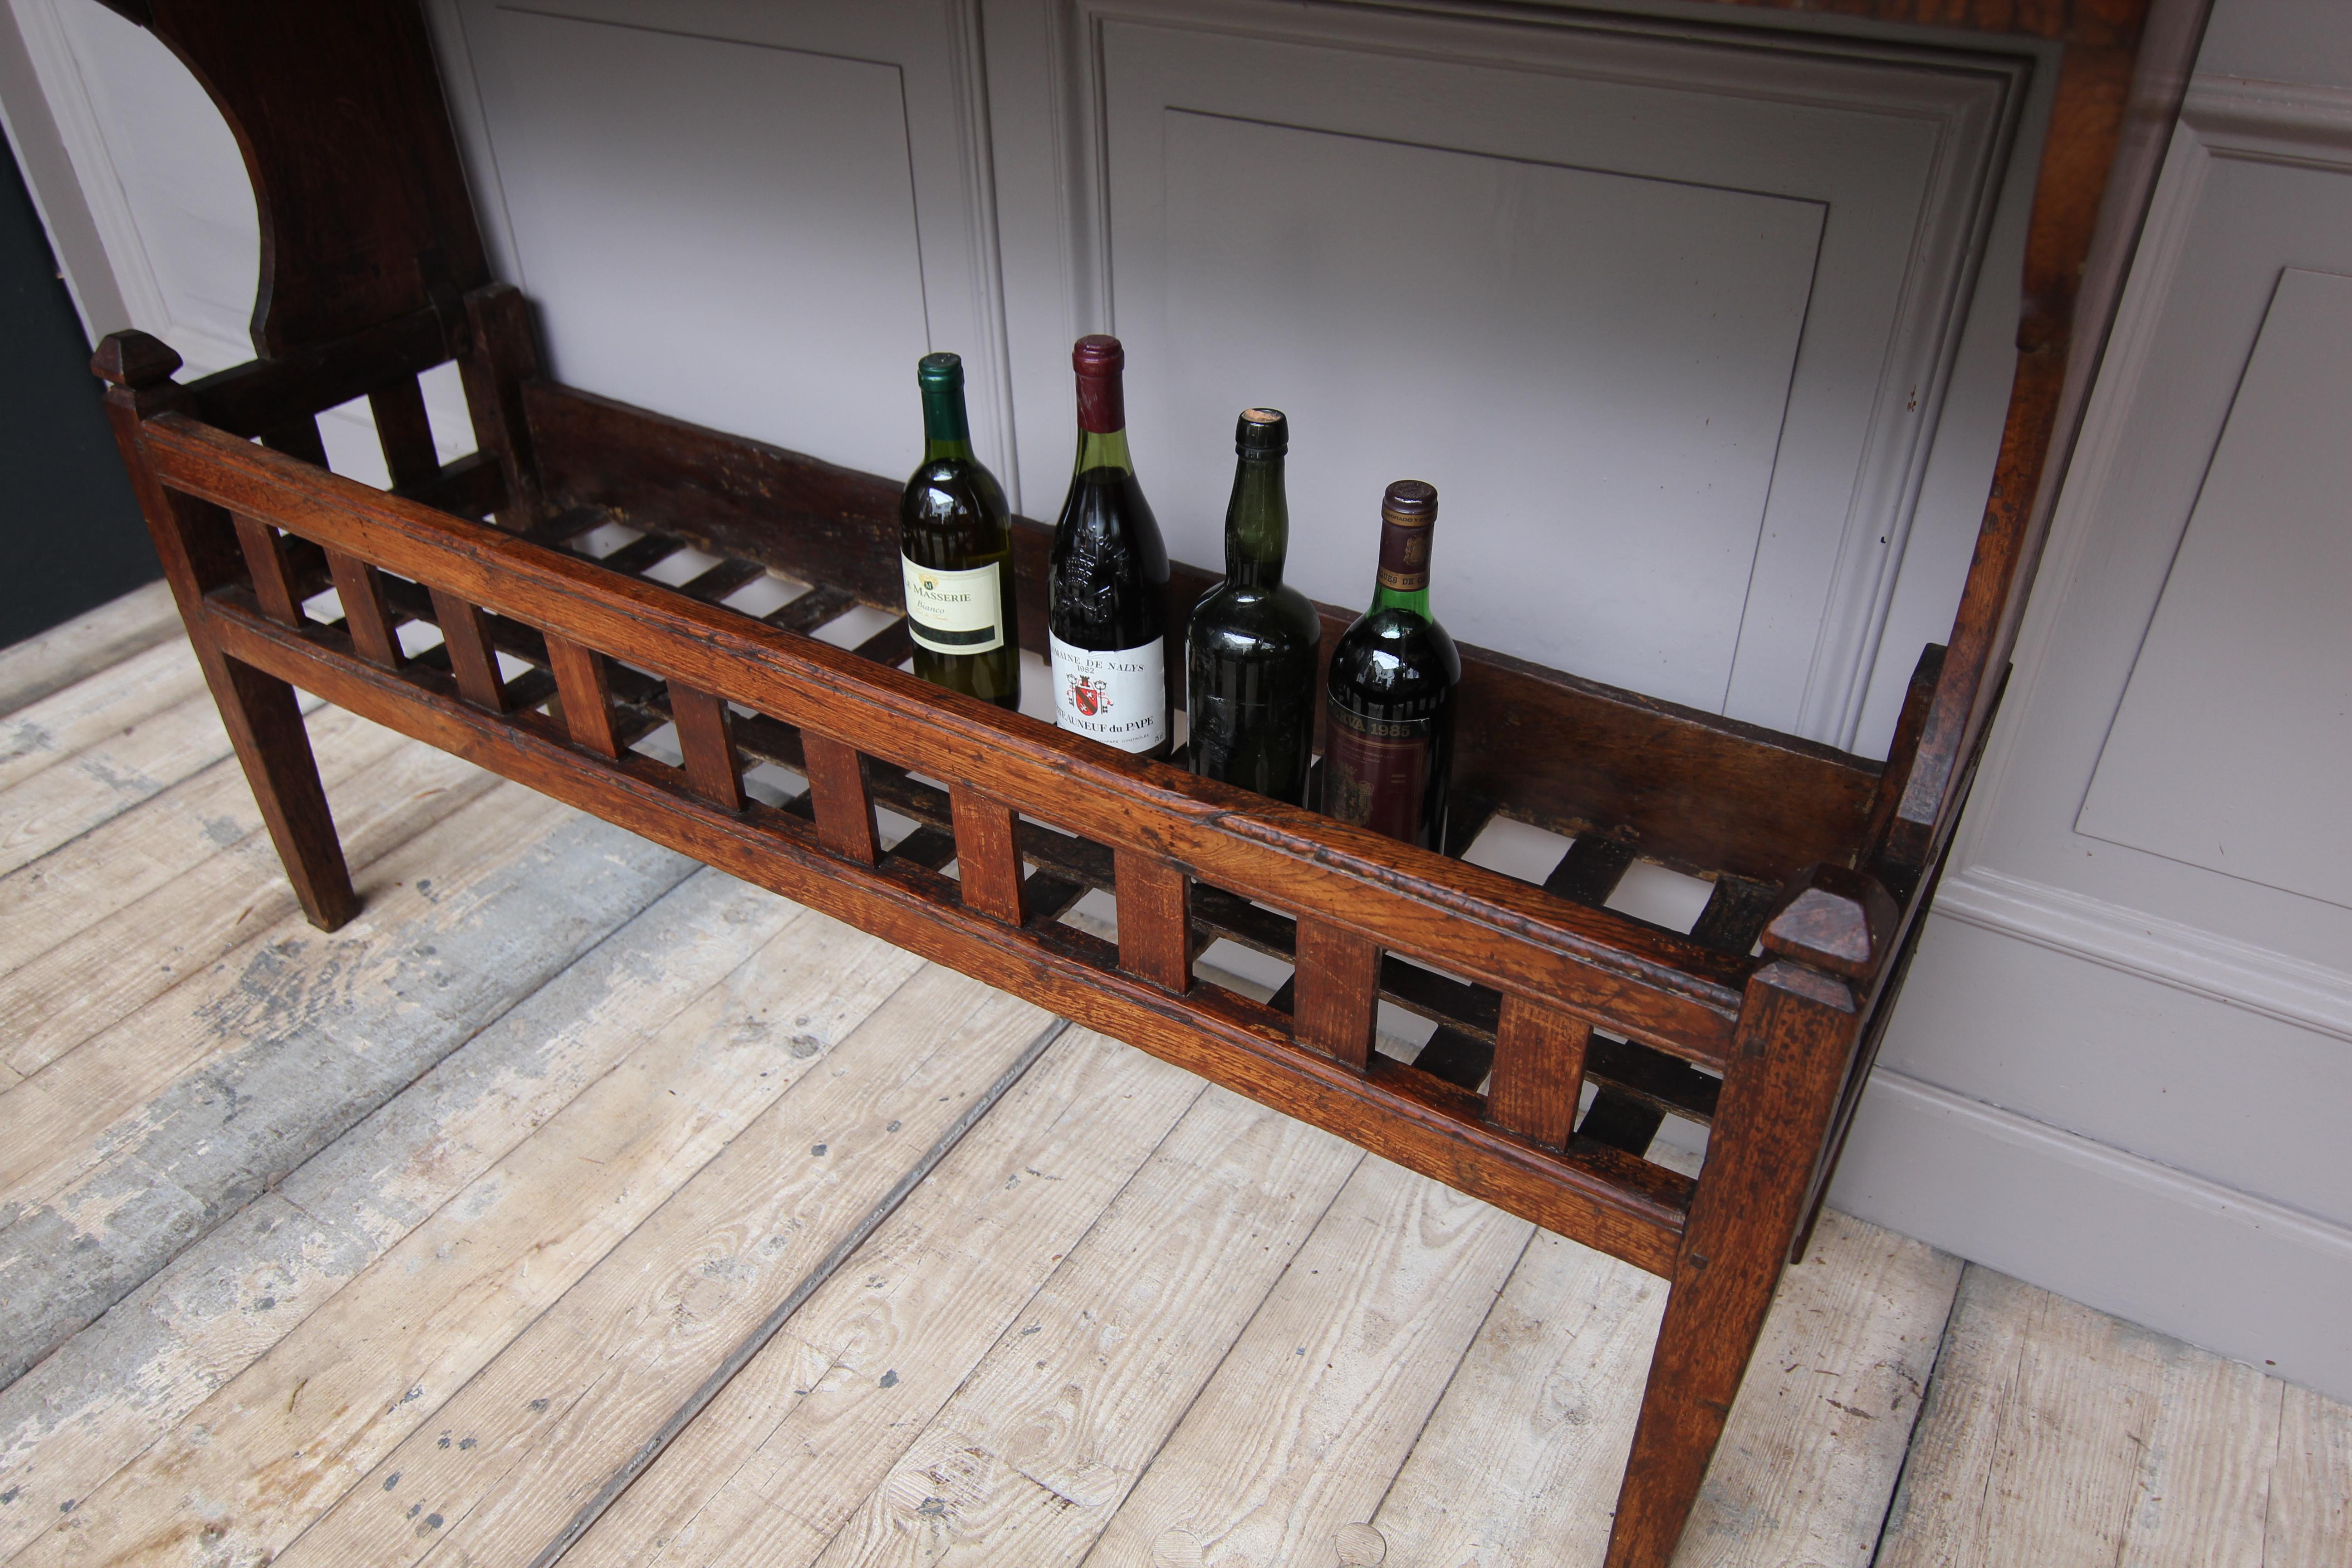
{"x": 70, "y": 537}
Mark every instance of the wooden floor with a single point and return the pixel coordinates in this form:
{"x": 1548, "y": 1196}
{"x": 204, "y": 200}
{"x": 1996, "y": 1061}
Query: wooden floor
{"x": 575, "y": 1202}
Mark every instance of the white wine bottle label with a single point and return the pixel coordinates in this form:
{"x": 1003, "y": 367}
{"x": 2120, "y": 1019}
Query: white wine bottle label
{"x": 955, "y": 612}
{"x": 1119, "y": 698}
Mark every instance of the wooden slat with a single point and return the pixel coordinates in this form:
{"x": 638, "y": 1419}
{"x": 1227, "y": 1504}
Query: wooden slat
{"x": 987, "y": 855}
{"x": 1735, "y": 914}
{"x": 844, "y": 810}
{"x": 641, "y": 555}
{"x": 406, "y": 432}
{"x": 297, "y": 438}
{"x": 1622, "y": 1121}
{"x": 1155, "y": 936}
{"x": 366, "y": 617}
{"x": 1538, "y": 1072}
{"x": 893, "y": 644}
{"x": 273, "y": 583}
{"x": 502, "y": 354}
{"x": 706, "y": 735}
{"x": 1631, "y": 1210}
{"x": 466, "y": 633}
{"x": 1338, "y": 978}
{"x": 716, "y": 582}
{"x": 587, "y": 694}
{"x": 472, "y": 488}
{"x": 265, "y": 393}
{"x": 811, "y": 610}
{"x": 1590, "y": 870}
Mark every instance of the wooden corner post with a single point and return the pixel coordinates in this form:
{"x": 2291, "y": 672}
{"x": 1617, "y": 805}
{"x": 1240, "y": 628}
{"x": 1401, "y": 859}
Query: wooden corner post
{"x": 1796, "y": 1031}
{"x": 200, "y": 550}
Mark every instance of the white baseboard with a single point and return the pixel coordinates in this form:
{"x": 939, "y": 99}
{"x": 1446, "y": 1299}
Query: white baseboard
{"x": 2249, "y": 1279}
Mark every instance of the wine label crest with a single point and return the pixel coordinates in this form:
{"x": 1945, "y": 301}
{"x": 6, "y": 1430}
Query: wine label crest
{"x": 1405, "y": 555}
{"x": 954, "y": 612}
{"x": 1118, "y": 697}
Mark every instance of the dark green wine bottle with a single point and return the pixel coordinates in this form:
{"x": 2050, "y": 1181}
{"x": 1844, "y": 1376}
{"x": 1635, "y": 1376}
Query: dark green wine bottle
{"x": 1388, "y": 748}
{"x": 1249, "y": 662}
{"x": 1106, "y": 578}
{"x": 955, "y": 546}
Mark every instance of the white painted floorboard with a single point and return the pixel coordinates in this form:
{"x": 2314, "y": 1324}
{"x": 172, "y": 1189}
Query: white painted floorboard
{"x": 575, "y": 1201}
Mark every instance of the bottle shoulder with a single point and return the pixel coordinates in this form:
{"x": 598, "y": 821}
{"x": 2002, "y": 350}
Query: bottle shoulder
{"x": 1394, "y": 654}
{"x": 951, "y": 491}
{"x": 1279, "y": 615}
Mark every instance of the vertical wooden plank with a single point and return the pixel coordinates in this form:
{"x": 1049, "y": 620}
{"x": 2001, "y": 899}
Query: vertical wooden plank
{"x": 466, "y": 633}
{"x": 1338, "y": 978}
{"x": 365, "y": 615}
{"x": 297, "y": 438}
{"x": 844, "y": 810}
{"x": 706, "y": 733}
{"x": 404, "y": 431}
{"x": 501, "y": 354}
{"x": 586, "y": 691}
{"x": 1538, "y": 1071}
{"x": 273, "y": 583}
{"x": 988, "y": 854}
{"x": 1155, "y": 927}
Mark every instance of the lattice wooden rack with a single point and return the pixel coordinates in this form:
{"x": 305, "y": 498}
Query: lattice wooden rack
{"x": 1760, "y": 1021}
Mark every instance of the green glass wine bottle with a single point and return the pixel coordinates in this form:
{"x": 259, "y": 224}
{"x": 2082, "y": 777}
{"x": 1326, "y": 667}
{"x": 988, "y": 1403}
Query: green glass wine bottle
{"x": 1107, "y": 576}
{"x": 1387, "y": 747}
{"x": 955, "y": 548}
{"x": 1249, "y": 661}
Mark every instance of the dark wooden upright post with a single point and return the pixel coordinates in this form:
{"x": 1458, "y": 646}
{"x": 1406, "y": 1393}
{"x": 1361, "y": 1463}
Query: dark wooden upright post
{"x": 1796, "y": 1034}
{"x": 200, "y": 551}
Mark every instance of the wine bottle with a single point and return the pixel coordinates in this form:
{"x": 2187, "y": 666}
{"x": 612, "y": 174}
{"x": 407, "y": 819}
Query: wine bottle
{"x": 1105, "y": 576}
{"x": 955, "y": 551}
{"x": 1388, "y": 746}
{"x": 1250, "y": 647}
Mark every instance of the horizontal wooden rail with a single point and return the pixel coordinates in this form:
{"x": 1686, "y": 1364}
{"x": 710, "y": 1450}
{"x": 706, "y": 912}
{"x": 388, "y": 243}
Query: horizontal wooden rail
{"x": 1633, "y": 979}
{"x": 1693, "y": 790}
{"x": 264, "y": 393}
{"x": 1626, "y": 1206}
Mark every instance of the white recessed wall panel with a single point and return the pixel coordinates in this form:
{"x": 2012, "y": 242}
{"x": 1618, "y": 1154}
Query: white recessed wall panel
{"x": 1669, "y": 318}
{"x": 1524, "y": 335}
{"x": 755, "y": 216}
{"x": 2239, "y": 713}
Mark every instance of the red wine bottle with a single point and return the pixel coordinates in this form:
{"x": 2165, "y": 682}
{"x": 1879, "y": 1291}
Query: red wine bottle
{"x": 1389, "y": 743}
{"x": 1107, "y": 576}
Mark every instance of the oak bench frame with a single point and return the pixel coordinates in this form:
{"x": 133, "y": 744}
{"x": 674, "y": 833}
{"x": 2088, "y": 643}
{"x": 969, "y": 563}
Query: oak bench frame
{"x": 1762, "y": 1022}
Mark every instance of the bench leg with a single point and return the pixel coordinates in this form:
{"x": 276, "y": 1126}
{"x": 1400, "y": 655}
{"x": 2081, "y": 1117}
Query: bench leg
{"x": 1796, "y": 1034}
{"x": 266, "y": 726}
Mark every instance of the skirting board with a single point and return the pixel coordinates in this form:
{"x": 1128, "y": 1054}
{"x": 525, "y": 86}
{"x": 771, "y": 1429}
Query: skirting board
{"x": 2248, "y": 1279}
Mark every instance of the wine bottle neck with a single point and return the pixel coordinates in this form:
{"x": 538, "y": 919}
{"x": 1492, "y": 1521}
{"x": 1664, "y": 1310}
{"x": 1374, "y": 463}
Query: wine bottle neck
{"x": 1103, "y": 450}
{"x": 1257, "y": 523}
{"x": 946, "y": 431}
{"x": 1404, "y": 581}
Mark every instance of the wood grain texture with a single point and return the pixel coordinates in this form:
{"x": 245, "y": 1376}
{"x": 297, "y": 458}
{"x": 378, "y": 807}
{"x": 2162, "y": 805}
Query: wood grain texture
{"x": 1155, "y": 926}
{"x": 367, "y": 619}
{"x": 645, "y": 1327}
{"x": 987, "y": 855}
{"x": 2309, "y": 1521}
{"x": 1337, "y": 980}
{"x": 706, "y": 735}
{"x": 2031, "y": 1446}
{"x": 806, "y": 1431}
{"x": 1538, "y": 1071}
{"x": 1030, "y": 1457}
{"x": 109, "y": 703}
{"x": 64, "y": 797}
{"x": 1317, "y": 1405}
{"x": 158, "y": 897}
{"x": 466, "y": 633}
{"x": 335, "y": 1395}
{"x": 92, "y": 645}
{"x": 844, "y": 809}
{"x": 264, "y": 723}
{"x": 273, "y": 580}
{"x": 112, "y": 1390}
{"x": 586, "y": 690}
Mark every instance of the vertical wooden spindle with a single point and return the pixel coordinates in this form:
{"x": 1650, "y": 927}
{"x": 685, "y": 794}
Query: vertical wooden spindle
{"x": 1155, "y": 928}
{"x": 466, "y": 633}
{"x": 273, "y": 581}
{"x": 844, "y": 810}
{"x": 988, "y": 854}
{"x": 297, "y": 438}
{"x": 404, "y": 431}
{"x": 365, "y": 615}
{"x": 1538, "y": 1071}
{"x": 1339, "y": 992}
{"x": 586, "y": 691}
{"x": 706, "y": 733}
